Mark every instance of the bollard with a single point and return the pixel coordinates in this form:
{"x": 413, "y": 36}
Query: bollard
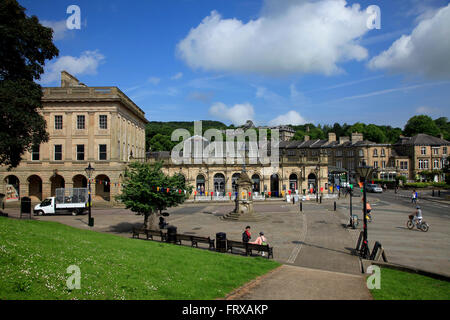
{"x": 320, "y": 199}
{"x": 439, "y": 193}
{"x": 335, "y": 206}
{"x": 301, "y": 206}
{"x": 432, "y": 193}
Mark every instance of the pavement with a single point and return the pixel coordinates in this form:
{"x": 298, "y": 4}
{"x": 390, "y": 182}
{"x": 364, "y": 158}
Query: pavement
{"x": 314, "y": 246}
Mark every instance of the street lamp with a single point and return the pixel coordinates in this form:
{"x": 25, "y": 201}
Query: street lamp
{"x": 89, "y": 170}
{"x": 364, "y": 172}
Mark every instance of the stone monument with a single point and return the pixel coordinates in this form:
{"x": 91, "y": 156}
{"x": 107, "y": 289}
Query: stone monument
{"x": 243, "y": 210}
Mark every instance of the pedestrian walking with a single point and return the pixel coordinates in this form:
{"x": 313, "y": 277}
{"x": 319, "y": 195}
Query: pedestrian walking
{"x": 414, "y": 197}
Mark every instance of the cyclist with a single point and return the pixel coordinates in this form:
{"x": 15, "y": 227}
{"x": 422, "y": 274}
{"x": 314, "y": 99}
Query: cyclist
{"x": 418, "y": 216}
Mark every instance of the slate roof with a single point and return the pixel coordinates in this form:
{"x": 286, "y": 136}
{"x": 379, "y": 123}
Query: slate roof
{"x": 422, "y": 139}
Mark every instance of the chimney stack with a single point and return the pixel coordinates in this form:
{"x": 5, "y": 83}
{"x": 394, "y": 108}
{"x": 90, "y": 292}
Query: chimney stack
{"x": 331, "y": 137}
{"x": 357, "y": 137}
{"x": 306, "y": 138}
{"x": 343, "y": 140}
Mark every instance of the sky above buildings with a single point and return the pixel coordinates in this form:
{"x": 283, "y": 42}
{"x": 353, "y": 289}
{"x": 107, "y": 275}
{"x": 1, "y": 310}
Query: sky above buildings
{"x": 273, "y": 62}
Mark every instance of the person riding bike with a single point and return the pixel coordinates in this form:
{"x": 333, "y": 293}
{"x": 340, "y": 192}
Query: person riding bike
{"x": 418, "y": 216}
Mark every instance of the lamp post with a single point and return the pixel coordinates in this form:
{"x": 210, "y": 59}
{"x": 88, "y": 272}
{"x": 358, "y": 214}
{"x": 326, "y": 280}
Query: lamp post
{"x": 364, "y": 172}
{"x": 89, "y": 170}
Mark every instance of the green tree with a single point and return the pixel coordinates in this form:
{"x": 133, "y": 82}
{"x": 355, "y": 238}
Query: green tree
{"x": 24, "y": 46}
{"x": 421, "y": 124}
{"x": 444, "y": 126}
{"x": 374, "y": 133}
{"x": 140, "y": 192}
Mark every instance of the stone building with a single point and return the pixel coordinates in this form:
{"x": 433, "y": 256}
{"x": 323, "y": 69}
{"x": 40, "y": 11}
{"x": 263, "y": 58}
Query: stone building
{"x": 421, "y": 153}
{"x": 97, "y": 125}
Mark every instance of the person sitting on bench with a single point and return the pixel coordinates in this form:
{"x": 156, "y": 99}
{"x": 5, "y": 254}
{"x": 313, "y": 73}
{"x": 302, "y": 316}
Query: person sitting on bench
{"x": 261, "y": 240}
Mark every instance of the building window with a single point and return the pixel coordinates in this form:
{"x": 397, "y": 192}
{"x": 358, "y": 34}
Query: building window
{"x": 35, "y": 153}
{"x": 383, "y": 164}
{"x": 338, "y": 153}
{"x": 81, "y": 123}
{"x": 80, "y": 152}
{"x": 404, "y": 165}
{"x": 375, "y": 164}
{"x": 350, "y": 153}
{"x": 375, "y": 152}
{"x": 423, "y": 150}
{"x": 435, "y": 164}
{"x": 58, "y": 122}
{"x": 103, "y": 119}
{"x": 339, "y": 163}
{"x": 102, "y": 152}
{"x": 436, "y": 151}
{"x": 383, "y": 153}
{"x": 425, "y": 164}
{"x": 361, "y": 153}
{"x": 58, "y": 152}
{"x": 444, "y": 150}
{"x": 291, "y": 152}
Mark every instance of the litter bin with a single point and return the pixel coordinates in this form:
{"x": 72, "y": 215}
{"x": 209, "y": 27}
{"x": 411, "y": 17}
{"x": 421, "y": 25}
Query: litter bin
{"x": 221, "y": 242}
{"x": 171, "y": 234}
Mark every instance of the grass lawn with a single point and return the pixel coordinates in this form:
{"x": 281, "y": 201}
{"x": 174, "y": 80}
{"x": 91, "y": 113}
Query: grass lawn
{"x": 400, "y": 285}
{"x": 34, "y": 257}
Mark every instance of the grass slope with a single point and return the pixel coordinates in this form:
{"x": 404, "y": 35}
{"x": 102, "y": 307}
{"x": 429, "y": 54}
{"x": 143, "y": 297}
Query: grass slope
{"x": 34, "y": 256}
{"x": 400, "y": 285}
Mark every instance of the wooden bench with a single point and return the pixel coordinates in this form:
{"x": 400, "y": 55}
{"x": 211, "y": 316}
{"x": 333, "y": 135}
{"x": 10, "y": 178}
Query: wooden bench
{"x": 138, "y": 231}
{"x": 149, "y": 234}
{"x": 158, "y": 233}
{"x": 195, "y": 240}
{"x": 249, "y": 247}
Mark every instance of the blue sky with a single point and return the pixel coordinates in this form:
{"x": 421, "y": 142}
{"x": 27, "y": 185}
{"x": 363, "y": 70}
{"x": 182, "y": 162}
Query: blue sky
{"x": 275, "y": 62}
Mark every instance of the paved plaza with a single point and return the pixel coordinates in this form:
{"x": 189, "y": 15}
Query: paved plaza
{"x": 312, "y": 244}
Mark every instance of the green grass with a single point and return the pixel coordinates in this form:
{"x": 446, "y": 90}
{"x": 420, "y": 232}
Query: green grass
{"x": 34, "y": 256}
{"x": 400, "y": 285}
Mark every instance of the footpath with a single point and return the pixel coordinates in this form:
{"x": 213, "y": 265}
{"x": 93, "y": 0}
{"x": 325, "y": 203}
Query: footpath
{"x": 321, "y": 267}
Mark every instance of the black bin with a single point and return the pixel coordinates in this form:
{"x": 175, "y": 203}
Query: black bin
{"x": 25, "y": 205}
{"x": 221, "y": 242}
{"x": 171, "y": 234}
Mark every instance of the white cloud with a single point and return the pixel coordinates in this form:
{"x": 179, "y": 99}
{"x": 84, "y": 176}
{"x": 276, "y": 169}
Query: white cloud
{"x": 289, "y": 37}
{"x": 427, "y": 110}
{"x": 60, "y": 30}
{"x": 237, "y": 114}
{"x": 87, "y": 63}
{"x": 425, "y": 51}
{"x": 179, "y": 75}
{"x": 154, "y": 80}
{"x": 292, "y": 117}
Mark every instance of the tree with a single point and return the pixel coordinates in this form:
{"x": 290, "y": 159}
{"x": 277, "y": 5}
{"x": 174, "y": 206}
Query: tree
{"x": 374, "y": 133}
{"x": 25, "y": 45}
{"x": 443, "y": 125}
{"x": 421, "y": 124}
{"x": 140, "y": 193}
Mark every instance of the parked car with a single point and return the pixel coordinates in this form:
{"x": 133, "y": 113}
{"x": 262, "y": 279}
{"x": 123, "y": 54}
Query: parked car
{"x": 374, "y": 188}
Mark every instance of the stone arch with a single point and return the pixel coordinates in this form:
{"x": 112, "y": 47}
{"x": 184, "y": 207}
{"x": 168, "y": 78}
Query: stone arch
{"x": 57, "y": 181}
{"x": 80, "y": 181}
{"x": 275, "y": 185}
{"x": 256, "y": 180}
{"x": 293, "y": 182}
{"x": 34, "y": 187}
{"x": 219, "y": 183}
{"x": 102, "y": 187}
{"x": 13, "y": 190}
{"x": 200, "y": 186}
{"x": 312, "y": 182}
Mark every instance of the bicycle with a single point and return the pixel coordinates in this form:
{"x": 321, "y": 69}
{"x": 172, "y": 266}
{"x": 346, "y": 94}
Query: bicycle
{"x": 422, "y": 225}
